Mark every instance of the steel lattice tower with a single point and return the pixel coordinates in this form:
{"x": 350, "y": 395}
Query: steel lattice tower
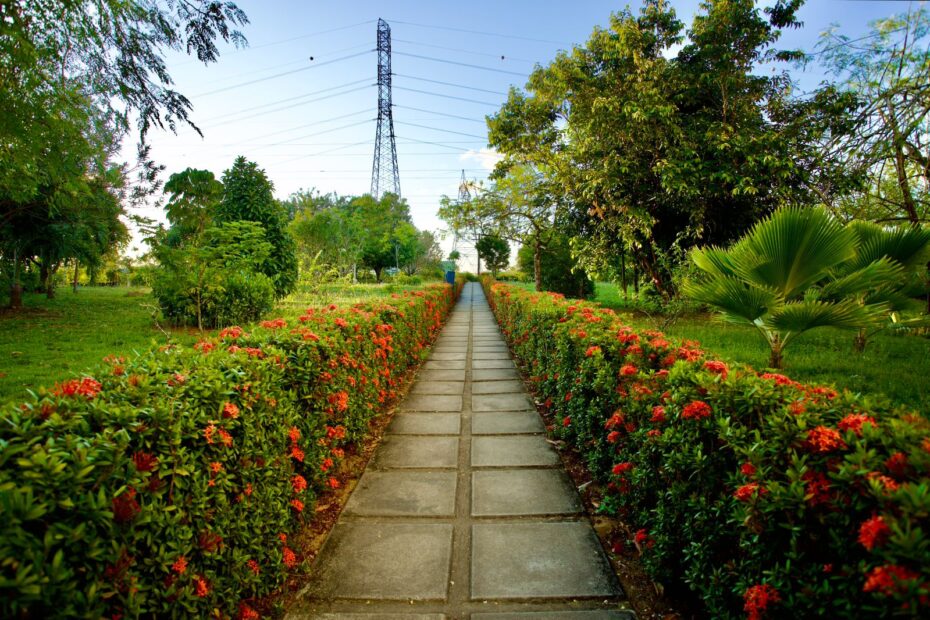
{"x": 384, "y": 174}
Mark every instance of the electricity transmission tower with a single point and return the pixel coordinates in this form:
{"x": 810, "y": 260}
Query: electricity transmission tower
{"x": 465, "y": 195}
{"x": 384, "y": 174}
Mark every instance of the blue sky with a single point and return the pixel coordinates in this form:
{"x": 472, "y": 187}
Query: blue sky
{"x": 314, "y": 126}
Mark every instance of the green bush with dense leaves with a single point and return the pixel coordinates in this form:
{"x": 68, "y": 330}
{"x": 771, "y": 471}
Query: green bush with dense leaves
{"x": 168, "y": 485}
{"x": 763, "y": 496}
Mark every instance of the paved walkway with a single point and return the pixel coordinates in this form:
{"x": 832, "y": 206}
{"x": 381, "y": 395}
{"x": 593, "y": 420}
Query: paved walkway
{"x": 464, "y": 510}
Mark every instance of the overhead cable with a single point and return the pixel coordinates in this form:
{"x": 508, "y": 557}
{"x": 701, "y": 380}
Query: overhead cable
{"x": 460, "y": 64}
{"x": 283, "y": 73}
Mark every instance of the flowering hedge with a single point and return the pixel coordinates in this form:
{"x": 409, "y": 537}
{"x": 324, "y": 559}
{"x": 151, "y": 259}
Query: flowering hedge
{"x": 765, "y": 497}
{"x": 169, "y": 484}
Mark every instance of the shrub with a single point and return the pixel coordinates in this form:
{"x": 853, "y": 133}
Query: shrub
{"x": 752, "y": 490}
{"x": 169, "y": 484}
{"x": 558, "y": 272}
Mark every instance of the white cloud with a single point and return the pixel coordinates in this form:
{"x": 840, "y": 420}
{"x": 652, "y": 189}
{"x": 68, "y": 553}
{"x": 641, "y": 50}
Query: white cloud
{"x": 486, "y": 158}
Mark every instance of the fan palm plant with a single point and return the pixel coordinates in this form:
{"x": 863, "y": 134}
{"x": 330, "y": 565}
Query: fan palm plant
{"x": 906, "y": 246}
{"x": 773, "y": 278}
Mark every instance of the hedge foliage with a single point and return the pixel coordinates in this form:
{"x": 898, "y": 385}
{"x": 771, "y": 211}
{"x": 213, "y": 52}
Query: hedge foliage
{"x": 168, "y": 485}
{"x": 765, "y": 497}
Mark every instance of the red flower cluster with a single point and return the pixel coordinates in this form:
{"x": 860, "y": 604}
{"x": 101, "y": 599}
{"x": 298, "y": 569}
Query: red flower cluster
{"x": 658, "y": 414}
{"x": 628, "y": 370}
{"x": 749, "y": 491}
{"x": 889, "y": 579}
{"x": 592, "y": 350}
{"x": 144, "y": 461}
{"x": 86, "y": 387}
{"x": 748, "y": 469}
{"x": 716, "y": 367}
{"x": 297, "y": 505}
{"x": 854, "y": 421}
{"x": 288, "y": 557}
{"x": 233, "y": 332}
{"x": 299, "y": 483}
{"x": 822, "y": 439}
{"x": 201, "y": 586}
{"x": 180, "y": 565}
{"x": 274, "y": 324}
{"x": 757, "y": 600}
{"x": 125, "y": 506}
{"x": 874, "y": 532}
{"x": 230, "y": 410}
{"x": 696, "y": 410}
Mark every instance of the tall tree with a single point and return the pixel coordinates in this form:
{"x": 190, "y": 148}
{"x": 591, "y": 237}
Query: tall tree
{"x": 247, "y": 196}
{"x": 195, "y": 195}
{"x": 495, "y": 252}
{"x": 889, "y": 136}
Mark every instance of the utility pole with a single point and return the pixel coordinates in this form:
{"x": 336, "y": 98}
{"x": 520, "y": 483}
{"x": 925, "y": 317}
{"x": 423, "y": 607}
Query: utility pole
{"x": 384, "y": 174}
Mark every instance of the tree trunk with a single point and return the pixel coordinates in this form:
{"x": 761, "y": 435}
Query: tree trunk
{"x": 16, "y": 288}
{"x": 50, "y": 282}
{"x": 537, "y": 264}
{"x": 860, "y": 341}
{"x": 635, "y": 280}
{"x": 43, "y": 275}
{"x": 623, "y": 281}
{"x": 378, "y": 276}
{"x": 74, "y": 280}
{"x": 777, "y": 359}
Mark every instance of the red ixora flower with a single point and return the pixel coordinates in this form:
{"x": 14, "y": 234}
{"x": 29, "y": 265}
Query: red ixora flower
{"x": 658, "y": 414}
{"x": 288, "y": 557}
{"x": 230, "y": 410}
{"x": 144, "y": 461}
{"x": 201, "y": 586}
{"x": 888, "y": 579}
{"x": 180, "y": 565}
{"x": 613, "y": 436}
{"x": 299, "y": 483}
{"x": 86, "y": 387}
{"x": 748, "y": 469}
{"x": 567, "y": 420}
{"x": 247, "y": 613}
{"x": 592, "y": 350}
{"x": 253, "y": 566}
{"x": 874, "y": 532}
{"x": 125, "y": 506}
{"x": 621, "y": 468}
{"x": 854, "y": 421}
{"x": 822, "y": 439}
{"x": 717, "y": 367}
{"x": 297, "y": 505}
{"x": 757, "y": 600}
{"x": 696, "y": 410}
{"x": 628, "y": 370}
{"x": 749, "y": 491}
{"x": 897, "y": 464}
{"x": 333, "y": 483}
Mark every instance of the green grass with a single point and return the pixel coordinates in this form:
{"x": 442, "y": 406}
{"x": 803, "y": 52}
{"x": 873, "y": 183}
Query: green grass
{"x": 57, "y": 339}
{"x": 54, "y": 340}
{"x": 896, "y": 366}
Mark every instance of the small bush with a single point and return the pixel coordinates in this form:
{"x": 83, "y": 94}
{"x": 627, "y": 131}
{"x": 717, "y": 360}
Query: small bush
{"x": 558, "y": 272}
{"x": 759, "y": 494}
{"x": 169, "y": 485}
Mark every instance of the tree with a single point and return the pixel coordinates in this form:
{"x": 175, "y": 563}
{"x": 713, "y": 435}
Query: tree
{"x": 558, "y": 271}
{"x": 75, "y": 75}
{"x": 387, "y": 236}
{"x": 195, "y": 195}
{"x": 889, "y": 135}
{"x": 247, "y": 196}
{"x": 495, "y": 252}
{"x": 779, "y": 278}
{"x": 654, "y": 152}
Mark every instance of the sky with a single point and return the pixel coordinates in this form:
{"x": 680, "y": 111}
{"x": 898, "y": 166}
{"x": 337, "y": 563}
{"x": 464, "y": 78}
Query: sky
{"x": 301, "y": 99}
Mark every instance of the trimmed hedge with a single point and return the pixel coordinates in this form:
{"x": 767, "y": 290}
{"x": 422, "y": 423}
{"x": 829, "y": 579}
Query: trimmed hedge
{"x": 168, "y": 485}
{"x": 765, "y": 497}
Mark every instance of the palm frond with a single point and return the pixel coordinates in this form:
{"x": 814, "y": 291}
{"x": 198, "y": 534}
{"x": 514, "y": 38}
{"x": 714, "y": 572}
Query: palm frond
{"x": 738, "y": 301}
{"x": 800, "y": 316}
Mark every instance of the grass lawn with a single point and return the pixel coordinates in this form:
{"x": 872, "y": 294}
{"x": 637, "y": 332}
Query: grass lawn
{"x": 57, "y": 339}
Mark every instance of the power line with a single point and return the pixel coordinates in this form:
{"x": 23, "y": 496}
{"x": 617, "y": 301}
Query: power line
{"x": 464, "y": 118}
{"x": 282, "y": 74}
{"x": 292, "y": 129}
{"x": 483, "y": 33}
{"x": 464, "y": 51}
{"x": 446, "y": 145}
{"x": 283, "y": 41}
{"x": 287, "y": 161}
{"x": 426, "y": 92}
{"x": 422, "y": 79}
{"x": 310, "y": 94}
{"x": 470, "y": 135}
{"x": 851, "y": 41}
{"x": 461, "y": 64}
{"x": 293, "y": 105}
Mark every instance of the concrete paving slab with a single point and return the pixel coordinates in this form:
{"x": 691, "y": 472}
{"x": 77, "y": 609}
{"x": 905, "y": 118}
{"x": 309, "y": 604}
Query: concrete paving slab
{"x": 438, "y": 387}
{"x": 444, "y": 365}
{"x": 506, "y": 423}
{"x": 497, "y": 387}
{"x": 502, "y": 354}
{"x": 501, "y": 402}
{"x": 518, "y": 492}
{"x": 448, "y": 355}
{"x": 593, "y": 614}
{"x": 461, "y": 349}
{"x": 442, "y": 374}
{"x": 539, "y": 560}
{"x": 389, "y": 561}
{"x": 351, "y": 616}
{"x": 431, "y": 402}
{"x": 404, "y": 494}
{"x": 494, "y": 374}
{"x": 512, "y": 451}
{"x": 425, "y": 424}
{"x": 403, "y": 452}
{"x": 486, "y": 364}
